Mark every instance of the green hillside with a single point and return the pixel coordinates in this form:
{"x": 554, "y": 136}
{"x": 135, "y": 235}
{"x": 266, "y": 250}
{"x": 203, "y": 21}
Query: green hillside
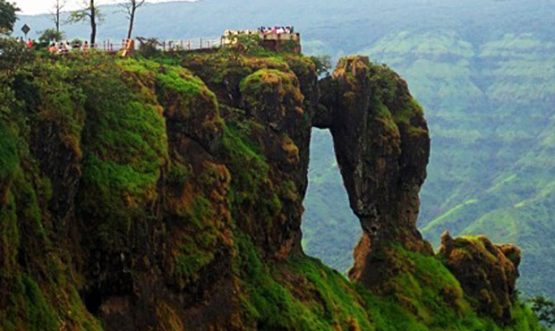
{"x": 484, "y": 72}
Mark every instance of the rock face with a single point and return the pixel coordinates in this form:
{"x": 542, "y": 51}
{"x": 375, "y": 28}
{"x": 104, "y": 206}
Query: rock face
{"x": 487, "y": 272}
{"x": 382, "y": 147}
{"x": 273, "y": 103}
{"x": 137, "y": 195}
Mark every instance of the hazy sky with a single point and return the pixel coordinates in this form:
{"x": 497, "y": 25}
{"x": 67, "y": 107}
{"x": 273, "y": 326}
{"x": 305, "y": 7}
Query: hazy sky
{"x": 44, "y": 6}
{"x": 30, "y": 7}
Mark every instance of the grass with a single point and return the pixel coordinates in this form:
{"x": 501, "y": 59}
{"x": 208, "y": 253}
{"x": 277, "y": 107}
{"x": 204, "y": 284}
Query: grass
{"x": 267, "y": 302}
{"x": 423, "y": 296}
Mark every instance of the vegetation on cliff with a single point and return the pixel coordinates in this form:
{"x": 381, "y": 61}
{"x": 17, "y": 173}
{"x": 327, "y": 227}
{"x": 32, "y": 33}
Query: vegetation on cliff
{"x": 479, "y": 70}
{"x": 167, "y": 193}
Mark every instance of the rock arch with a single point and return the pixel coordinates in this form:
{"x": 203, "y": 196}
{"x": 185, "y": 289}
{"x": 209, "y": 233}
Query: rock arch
{"x": 382, "y": 147}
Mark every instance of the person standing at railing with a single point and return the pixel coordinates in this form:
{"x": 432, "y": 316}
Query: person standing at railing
{"x": 129, "y": 48}
{"x": 62, "y": 49}
{"x": 52, "y": 49}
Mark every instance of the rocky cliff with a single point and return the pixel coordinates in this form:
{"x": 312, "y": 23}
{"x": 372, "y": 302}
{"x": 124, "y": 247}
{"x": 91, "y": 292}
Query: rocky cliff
{"x": 167, "y": 194}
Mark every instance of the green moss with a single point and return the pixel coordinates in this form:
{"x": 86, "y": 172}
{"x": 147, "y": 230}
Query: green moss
{"x": 340, "y": 305}
{"x": 178, "y": 174}
{"x": 384, "y": 115}
{"x": 431, "y": 292}
{"x": 251, "y": 188}
{"x": 40, "y": 314}
{"x": 122, "y": 191}
{"x": 188, "y": 103}
{"x": 40, "y": 296}
{"x": 524, "y": 319}
{"x": 471, "y": 245}
{"x": 266, "y": 81}
{"x": 9, "y": 239}
{"x": 8, "y": 155}
{"x": 195, "y": 234}
{"x": 29, "y": 310}
{"x": 141, "y": 67}
{"x": 125, "y": 146}
{"x": 196, "y": 252}
{"x": 425, "y": 296}
{"x": 180, "y": 81}
{"x": 268, "y": 303}
{"x": 222, "y": 71}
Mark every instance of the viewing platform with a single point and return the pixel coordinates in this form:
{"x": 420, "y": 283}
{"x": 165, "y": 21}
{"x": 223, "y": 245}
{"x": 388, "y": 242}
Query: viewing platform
{"x": 274, "y": 39}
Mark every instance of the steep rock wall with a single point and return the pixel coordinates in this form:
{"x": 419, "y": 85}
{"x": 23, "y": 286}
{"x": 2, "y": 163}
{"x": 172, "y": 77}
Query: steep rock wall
{"x": 137, "y": 194}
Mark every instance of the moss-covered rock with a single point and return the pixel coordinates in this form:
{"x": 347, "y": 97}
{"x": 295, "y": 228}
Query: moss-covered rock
{"x": 382, "y": 147}
{"x": 486, "y": 271}
{"x": 167, "y": 194}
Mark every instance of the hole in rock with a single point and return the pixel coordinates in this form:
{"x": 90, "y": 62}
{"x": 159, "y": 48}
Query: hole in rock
{"x": 330, "y": 229}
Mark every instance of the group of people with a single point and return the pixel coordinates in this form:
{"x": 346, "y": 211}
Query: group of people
{"x": 66, "y": 47}
{"x": 276, "y": 29}
{"x": 126, "y": 48}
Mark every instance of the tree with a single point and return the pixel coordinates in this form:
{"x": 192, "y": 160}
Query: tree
{"x": 58, "y": 6}
{"x": 7, "y": 16}
{"x": 89, "y": 13}
{"x": 13, "y": 55}
{"x": 50, "y": 35}
{"x": 131, "y": 6}
{"x": 544, "y": 309}
{"x": 323, "y": 64}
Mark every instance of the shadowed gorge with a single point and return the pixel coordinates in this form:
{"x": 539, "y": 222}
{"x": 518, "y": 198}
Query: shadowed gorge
{"x": 167, "y": 194}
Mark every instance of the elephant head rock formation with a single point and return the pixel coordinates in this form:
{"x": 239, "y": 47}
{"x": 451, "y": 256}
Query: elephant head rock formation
{"x": 382, "y": 147}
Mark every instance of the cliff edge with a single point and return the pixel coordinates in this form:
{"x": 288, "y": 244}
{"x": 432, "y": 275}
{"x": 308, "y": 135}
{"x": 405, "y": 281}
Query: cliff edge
{"x": 167, "y": 194}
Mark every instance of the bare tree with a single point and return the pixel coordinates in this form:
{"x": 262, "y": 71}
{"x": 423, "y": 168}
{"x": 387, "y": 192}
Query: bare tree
{"x": 56, "y": 14}
{"x": 89, "y": 13}
{"x": 131, "y": 6}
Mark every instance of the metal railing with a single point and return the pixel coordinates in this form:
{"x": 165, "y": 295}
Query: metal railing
{"x": 165, "y": 46}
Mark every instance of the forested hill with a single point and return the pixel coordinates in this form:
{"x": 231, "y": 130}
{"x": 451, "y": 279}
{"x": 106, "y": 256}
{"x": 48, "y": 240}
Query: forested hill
{"x": 483, "y": 70}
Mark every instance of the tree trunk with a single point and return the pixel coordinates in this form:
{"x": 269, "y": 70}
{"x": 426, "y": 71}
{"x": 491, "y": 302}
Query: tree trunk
{"x": 93, "y": 23}
{"x": 58, "y": 17}
{"x": 131, "y": 21}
